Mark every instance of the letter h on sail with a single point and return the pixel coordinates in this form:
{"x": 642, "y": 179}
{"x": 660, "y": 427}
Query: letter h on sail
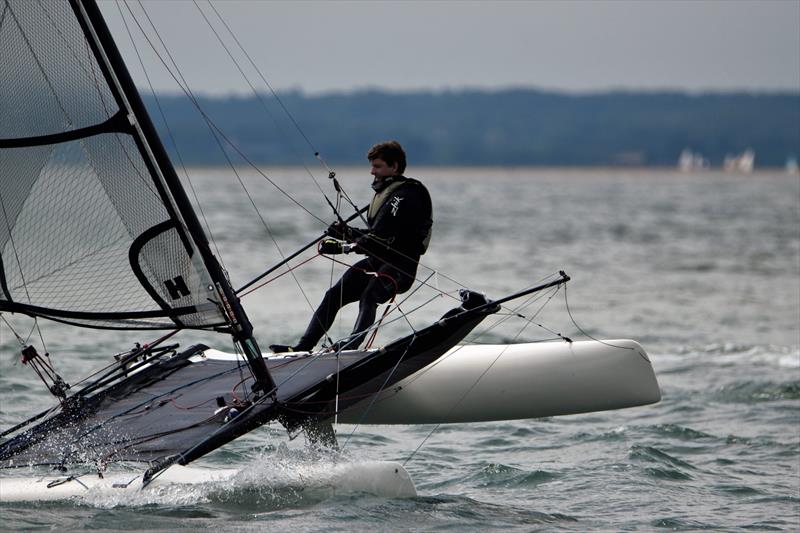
{"x": 177, "y": 287}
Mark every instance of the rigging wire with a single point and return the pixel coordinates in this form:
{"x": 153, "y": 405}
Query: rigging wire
{"x": 466, "y": 393}
{"x": 214, "y": 127}
{"x": 170, "y": 134}
{"x": 339, "y": 189}
{"x": 566, "y": 302}
{"x": 21, "y": 273}
{"x": 216, "y": 130}
{"x": 240, "y": 358}
{"x": 331, "y": 174}
{"x": 376, "y": 394}
{"x": 533, "y": 298}
{"x": 274, "y": 93}
{"x": 259, "y": 96}
{"x": 134, "y": 408}
{"x": 338, "y": 205}
{"x": 21, "y": 341}
{"x": 375, "y": 326}
{"x": 403, "y": 314}
{"x": 219, "y": 134}
{"x": 270, "y": 280}
{"x": 125, "y": 357}
{"x": 131, "y": 442}
{"x": 479, "y": 335}
{"x": 341, "y": 301}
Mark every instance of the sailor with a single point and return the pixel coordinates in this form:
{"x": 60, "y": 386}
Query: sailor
{"x": 400, "y": 222}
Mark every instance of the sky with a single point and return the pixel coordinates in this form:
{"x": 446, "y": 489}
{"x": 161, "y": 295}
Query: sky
{"x": 575, "y": 46}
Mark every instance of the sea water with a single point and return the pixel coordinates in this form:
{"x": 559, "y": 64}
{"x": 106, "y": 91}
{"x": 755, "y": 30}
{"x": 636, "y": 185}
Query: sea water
{"x": 703, "y": 269}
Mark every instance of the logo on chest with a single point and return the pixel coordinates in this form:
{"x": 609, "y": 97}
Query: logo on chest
{"x": 395, "y": 204}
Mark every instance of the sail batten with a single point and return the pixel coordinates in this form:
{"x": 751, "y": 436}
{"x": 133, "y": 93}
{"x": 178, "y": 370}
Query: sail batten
{"x": 117, "y": 123}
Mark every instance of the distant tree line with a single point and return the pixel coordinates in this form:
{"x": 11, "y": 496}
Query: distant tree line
{"x": 473, "y": 127}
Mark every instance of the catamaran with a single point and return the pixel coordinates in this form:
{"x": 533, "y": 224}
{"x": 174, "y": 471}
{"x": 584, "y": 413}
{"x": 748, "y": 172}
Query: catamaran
{"x": 98, "y": 232}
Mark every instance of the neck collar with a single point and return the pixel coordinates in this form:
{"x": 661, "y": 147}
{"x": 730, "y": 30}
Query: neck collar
{"x": 379, "y": 184}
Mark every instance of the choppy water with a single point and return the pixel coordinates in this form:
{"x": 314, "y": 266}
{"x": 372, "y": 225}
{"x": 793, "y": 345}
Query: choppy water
{"x": 703, "y": 270}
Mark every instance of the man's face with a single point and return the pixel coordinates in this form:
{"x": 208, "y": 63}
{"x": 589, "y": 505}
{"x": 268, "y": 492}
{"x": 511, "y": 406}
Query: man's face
{"x": 381, "y": 170}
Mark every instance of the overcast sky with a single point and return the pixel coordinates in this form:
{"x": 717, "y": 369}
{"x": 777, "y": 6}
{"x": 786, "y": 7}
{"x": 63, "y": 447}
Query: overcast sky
{"x": 565, "y": 45}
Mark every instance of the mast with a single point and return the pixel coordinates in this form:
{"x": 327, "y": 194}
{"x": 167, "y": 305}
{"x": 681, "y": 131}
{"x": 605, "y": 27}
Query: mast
{"x": 127, "y": 96}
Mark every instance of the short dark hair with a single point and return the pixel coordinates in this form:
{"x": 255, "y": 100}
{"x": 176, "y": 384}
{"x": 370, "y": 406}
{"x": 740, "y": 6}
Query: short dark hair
{"x": 391, "y": 152}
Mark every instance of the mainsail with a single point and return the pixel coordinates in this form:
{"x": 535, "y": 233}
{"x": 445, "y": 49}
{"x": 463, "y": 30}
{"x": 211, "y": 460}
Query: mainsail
{"x": 96, "y": 228}
{"x": 93, "y": 226}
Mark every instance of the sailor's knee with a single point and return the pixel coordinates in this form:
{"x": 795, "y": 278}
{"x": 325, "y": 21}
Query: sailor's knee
{"x": 334, "y": 294}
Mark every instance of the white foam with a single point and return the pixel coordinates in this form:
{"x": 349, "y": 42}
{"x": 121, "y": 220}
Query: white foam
{"x": 281, "y": 476}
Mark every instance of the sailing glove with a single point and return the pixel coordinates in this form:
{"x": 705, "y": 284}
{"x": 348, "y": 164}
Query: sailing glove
{"x": 337, "y": 230}
{"x": 334, "y": 246}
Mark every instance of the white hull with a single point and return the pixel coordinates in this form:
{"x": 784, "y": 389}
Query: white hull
{"x": 379, "y": 478}
{"x": 520, "y": 381}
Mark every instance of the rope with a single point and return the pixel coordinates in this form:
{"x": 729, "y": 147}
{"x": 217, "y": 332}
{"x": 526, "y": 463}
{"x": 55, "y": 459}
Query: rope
{"x": 278, "y": 276}
{"x": 133, "y": 409}
{"x": 566, "y": 302}
{"x": 253, "y": 64}
{"x": 403, "y": 314}
{"x": 145, "y": 438}
{"x": 378, "y": 325}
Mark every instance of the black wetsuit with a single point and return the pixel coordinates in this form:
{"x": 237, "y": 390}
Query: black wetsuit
{"x": 400, "y": 220}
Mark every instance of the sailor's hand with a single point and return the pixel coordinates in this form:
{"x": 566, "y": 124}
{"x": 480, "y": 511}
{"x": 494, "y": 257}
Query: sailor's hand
{"x": 333, "y": 246}
{"x": 338, "y": 230}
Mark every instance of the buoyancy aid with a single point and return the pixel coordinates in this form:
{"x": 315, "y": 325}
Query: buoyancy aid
{"x": 381, "y": 206}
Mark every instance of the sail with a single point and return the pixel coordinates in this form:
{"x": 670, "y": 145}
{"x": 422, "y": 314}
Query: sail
{"x": 92, "y": 230}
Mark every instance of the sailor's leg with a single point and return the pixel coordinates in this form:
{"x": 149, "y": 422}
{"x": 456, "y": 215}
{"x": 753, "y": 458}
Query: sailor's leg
{"x": 347, "y": 290}
{"x": 379, "y": 290}
{"x": 390, "y": 282}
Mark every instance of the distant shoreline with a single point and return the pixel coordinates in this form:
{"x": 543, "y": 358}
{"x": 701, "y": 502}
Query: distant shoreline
{"x": 514, "y": 127}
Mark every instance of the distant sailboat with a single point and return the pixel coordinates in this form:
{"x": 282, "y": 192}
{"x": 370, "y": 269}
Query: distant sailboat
{"x": 743, "y": 163}
{"x": 690, "y": 161}
{"x": 792, "y": 167}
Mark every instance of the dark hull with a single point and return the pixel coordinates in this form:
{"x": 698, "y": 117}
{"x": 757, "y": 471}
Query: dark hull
{"x": 180, "y": 408}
